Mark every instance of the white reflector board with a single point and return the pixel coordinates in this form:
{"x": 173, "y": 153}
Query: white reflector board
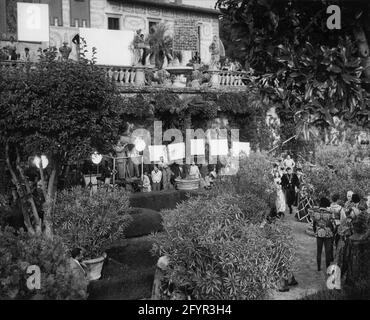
{"x": 218, "y": 147}
{"x": 176, "y": 151}
{"x": 156, "y": 152}
{"x": 112, "y": 46}
{"x": 33, "y": 22}
{"x": 197, "y": 147}
{"x": 241, "y": 148}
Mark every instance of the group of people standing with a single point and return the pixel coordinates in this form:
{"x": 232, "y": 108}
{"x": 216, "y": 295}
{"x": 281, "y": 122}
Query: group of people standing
{"x": 334, "y": 223}
{"x": 163, "y": 176}
{"x": 291, "y": 189}
{"x": 10, "y": 52}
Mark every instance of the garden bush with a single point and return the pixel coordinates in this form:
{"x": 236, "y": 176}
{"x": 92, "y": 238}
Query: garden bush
{"x": 92, "y": 222}
{"x": 10, "y": 214}
{"x": 345, "y": 174}
{"x": 18, "y": 250}
{"x": 253, "y": 177}
{"x": 216, "y": 252}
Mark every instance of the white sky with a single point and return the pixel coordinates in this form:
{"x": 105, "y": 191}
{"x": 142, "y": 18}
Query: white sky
{"x": 201, "y": 3}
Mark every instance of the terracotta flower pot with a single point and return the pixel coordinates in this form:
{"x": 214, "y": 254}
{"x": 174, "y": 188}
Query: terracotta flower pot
{"x": 95, "y": 267}
{"x": 187, "y": 184}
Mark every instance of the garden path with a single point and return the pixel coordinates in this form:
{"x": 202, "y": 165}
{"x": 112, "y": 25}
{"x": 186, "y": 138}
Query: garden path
{"x": 305, "y": 270}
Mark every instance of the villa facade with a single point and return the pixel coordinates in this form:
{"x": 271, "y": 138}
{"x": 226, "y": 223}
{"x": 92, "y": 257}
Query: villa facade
{"x": 198, "y": 25}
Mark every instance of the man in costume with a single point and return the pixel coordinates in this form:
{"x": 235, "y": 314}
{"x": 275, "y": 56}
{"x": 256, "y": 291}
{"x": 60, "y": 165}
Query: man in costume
{"x": 290, "y": 184}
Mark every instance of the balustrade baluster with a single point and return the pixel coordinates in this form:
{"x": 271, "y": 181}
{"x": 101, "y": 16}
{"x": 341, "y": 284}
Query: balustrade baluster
{"x": 121, "y": 75}
{"x": 127, "y": 76}
{"x": 115, "y": 75}
{"x": 232, "y": 79}
{"x": 110, "y": 74}
{"x": 222, "y": 78}
{"x": 227, "y": 78}
{"x": 132, "y": 78}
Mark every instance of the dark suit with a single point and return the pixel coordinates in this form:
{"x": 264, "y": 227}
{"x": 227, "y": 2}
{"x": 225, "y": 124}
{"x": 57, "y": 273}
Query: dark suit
{"x": 79, "y": 274}
{"x": 289, "y": 182}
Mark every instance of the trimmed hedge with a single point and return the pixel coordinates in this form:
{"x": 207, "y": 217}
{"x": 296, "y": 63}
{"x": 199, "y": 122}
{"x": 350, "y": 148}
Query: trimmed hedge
{"x": 144, "y": 222}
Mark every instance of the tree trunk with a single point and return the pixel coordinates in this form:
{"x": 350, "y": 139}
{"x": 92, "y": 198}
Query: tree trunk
{"x": 21, "y": 194}
{"x": 31, "y": 201}
{"x": 49, "y": 204}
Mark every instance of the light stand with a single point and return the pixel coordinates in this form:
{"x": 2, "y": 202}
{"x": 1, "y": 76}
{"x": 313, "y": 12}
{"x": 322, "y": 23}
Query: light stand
{"x": 139, "y": 146}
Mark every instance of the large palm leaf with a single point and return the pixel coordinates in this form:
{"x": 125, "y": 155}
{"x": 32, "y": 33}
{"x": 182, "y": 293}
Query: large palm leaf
{"x": 160, "y": 44}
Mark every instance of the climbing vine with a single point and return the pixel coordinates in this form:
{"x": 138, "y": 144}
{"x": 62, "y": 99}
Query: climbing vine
{"x": 244, "y": 110}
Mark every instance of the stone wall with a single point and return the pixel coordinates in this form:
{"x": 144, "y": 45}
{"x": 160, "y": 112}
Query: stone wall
{"x": 185, "y": 35}
{"x": 134, "y": 17}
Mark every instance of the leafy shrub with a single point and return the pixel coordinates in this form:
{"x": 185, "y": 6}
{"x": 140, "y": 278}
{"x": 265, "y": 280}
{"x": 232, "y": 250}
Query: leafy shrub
{"x": 345, "y": 175}
{"x": 91, "y": 222}
{"x": 216, "y": 252}
{"x": 252, "y": 178}
{"x": 19, "y": 250}
{"x": 10, "y": 214}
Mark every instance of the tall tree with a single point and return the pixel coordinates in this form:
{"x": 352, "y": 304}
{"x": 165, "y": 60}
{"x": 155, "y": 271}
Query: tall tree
{"x": 63, "y": 110}
{"x": 315, "y": 73}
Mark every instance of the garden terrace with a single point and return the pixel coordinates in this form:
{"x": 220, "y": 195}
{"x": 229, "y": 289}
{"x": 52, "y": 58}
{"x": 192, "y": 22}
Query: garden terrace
{"x": 125, "y": 77}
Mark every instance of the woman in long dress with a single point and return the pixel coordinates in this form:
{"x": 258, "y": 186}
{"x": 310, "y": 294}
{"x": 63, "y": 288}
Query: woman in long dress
{"x": 280, "y": 202}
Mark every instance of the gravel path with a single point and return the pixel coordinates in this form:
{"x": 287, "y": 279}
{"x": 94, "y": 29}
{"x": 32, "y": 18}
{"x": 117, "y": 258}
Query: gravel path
{"x": 305, "y": 270}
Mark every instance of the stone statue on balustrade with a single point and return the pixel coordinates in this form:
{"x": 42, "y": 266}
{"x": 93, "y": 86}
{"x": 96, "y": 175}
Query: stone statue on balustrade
{"x": 65, "y": 51}
{"x": 121, "y": 150}
{"x": 138, "y": 48}
{"x": 214, "y": 49}
{"x": 163, "y": 77}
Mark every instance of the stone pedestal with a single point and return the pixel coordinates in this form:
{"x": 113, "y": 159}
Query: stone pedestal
{"x": 180, "y": 81}
{"x": 215, "y": 79}
{"x": 140, "y": 77}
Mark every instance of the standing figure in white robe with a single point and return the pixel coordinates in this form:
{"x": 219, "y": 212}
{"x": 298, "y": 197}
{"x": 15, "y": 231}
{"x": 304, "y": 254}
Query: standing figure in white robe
{"x": 280, "y": 202}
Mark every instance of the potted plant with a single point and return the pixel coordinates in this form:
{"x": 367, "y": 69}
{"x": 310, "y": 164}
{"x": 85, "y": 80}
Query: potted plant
{"x": 91, "y": 222}
{"x": 160, "y": 45}
{"x": 190, "y": 179}
{"x": 196, "y": 78}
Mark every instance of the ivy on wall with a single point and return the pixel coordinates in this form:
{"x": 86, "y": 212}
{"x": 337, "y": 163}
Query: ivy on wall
{"x": 244, "y": 110}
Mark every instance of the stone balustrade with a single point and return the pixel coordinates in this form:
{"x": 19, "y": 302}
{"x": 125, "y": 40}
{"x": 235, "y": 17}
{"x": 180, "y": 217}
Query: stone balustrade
{"x": 227, "y": 78}
{"x": 125, "y": 75}
{"x": 232, "y": 78}
{"x": 134, "y": 76}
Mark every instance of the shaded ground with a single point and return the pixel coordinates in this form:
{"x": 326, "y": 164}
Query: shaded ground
{"x": 128, "y": 274}
{"x": 305, "y": 270}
